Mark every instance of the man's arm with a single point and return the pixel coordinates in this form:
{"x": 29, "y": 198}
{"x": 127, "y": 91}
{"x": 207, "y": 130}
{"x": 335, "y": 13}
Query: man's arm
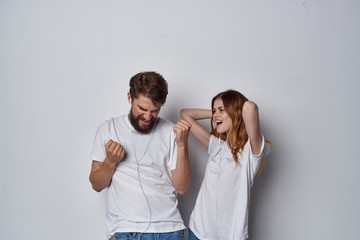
{"x": 102, "y": 172}
{"x": 182, "y": 173}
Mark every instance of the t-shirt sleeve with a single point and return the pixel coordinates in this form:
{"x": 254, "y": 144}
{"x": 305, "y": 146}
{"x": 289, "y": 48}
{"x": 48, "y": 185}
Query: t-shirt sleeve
{"x": 212, "y": 143}
{"x": 172, "y": 153}
{"x": 98, "y": 152}
{"x": 255, "y": 160}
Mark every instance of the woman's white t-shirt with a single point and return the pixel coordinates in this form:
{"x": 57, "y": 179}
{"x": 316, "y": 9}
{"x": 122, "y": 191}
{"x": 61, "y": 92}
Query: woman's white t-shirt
{"x": 222, "y": 206}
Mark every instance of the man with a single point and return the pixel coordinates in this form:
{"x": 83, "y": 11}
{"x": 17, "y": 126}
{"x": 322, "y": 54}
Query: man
{"x": 143, "y": 161}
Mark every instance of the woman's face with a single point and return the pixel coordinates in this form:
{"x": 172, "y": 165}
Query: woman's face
{"x": 222, "y": 121}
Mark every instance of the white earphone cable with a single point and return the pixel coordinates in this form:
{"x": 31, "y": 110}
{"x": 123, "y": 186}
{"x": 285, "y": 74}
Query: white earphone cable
{"x": 137, "y": 167}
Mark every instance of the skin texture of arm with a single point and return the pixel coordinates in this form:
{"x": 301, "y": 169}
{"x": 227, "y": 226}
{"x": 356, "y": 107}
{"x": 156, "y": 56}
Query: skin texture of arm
{"x": 182, "y": 173}
{"x": 250, "y": 113}
{"x": 191, "y": 116}
{"x": 102, "y": 172}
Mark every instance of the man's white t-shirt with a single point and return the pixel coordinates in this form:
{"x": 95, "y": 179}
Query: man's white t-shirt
{"x": 222, "y": 205}
{"x": 149, "y": 159}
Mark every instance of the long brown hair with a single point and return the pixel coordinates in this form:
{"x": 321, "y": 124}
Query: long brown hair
{"x": 237, "y": 137}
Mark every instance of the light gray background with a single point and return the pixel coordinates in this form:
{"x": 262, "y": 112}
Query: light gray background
{"x": 65, "y": 67}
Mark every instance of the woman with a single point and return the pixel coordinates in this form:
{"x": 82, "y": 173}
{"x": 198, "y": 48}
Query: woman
{"x": 236, "y": 149}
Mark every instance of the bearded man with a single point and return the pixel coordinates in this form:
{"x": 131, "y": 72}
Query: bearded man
{"x": 143, "y": 162}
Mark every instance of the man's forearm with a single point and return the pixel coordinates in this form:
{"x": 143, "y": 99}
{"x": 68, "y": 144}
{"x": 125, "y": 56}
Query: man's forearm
{"x": 101, "y": 175}
{"x": 182, "y": 174}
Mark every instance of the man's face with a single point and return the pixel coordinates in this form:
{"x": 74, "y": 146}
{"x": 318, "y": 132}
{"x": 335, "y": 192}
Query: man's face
{"x": 143, "y": 113}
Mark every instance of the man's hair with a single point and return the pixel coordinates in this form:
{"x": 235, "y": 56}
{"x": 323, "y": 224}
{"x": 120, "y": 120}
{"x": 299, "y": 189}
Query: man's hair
{"x": 150, "y": 84}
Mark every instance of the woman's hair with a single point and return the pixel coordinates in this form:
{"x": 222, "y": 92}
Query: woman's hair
{"x": 151, "y": 84}
{"x": 233, "y": 103}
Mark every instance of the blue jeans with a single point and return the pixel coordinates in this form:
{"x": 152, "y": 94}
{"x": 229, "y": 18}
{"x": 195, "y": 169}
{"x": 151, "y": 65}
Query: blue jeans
{"x": 192, "y": 235}
{"x": 178, "y": 235}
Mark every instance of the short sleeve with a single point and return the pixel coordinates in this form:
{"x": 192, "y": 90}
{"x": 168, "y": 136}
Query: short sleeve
{"x": 172, "y": 153}
{"x": 213, "y": 142}
{"x": 255, "y": 160}
{"x": 98, "y": 152}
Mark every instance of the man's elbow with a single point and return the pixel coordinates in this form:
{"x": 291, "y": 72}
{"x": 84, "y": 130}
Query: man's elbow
{"x": 95, "y": 186}
{"x": 184, "y": 187}
{"x": 97, "y": 189}
{"x": 182, "y": 191}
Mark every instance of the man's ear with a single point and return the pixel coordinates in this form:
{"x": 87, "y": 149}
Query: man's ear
{"x": 129, "y": 97}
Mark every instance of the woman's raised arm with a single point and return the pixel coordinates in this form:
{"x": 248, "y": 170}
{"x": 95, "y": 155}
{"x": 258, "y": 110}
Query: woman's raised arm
{"x": 250, "y": 115}
{"x": 191, "y": 115}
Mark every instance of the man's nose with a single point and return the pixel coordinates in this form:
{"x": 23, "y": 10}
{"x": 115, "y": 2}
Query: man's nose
{"x": 147, "y": 116}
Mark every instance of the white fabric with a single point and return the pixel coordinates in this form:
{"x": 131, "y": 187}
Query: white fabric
{"x": 222, "y": 205}
{"x": 156, "y": 152}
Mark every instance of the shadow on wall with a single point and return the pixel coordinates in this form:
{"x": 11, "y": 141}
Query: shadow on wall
{"x": 261, "y": 194}
{"x": 198, "y": 158}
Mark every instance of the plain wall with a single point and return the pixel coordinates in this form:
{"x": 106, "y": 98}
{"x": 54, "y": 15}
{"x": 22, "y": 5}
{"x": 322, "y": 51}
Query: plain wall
{"x": 65, "y": 68}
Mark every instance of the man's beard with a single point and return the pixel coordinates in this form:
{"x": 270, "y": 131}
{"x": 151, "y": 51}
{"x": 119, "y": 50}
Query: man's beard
{"x": 135, "y": 123}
